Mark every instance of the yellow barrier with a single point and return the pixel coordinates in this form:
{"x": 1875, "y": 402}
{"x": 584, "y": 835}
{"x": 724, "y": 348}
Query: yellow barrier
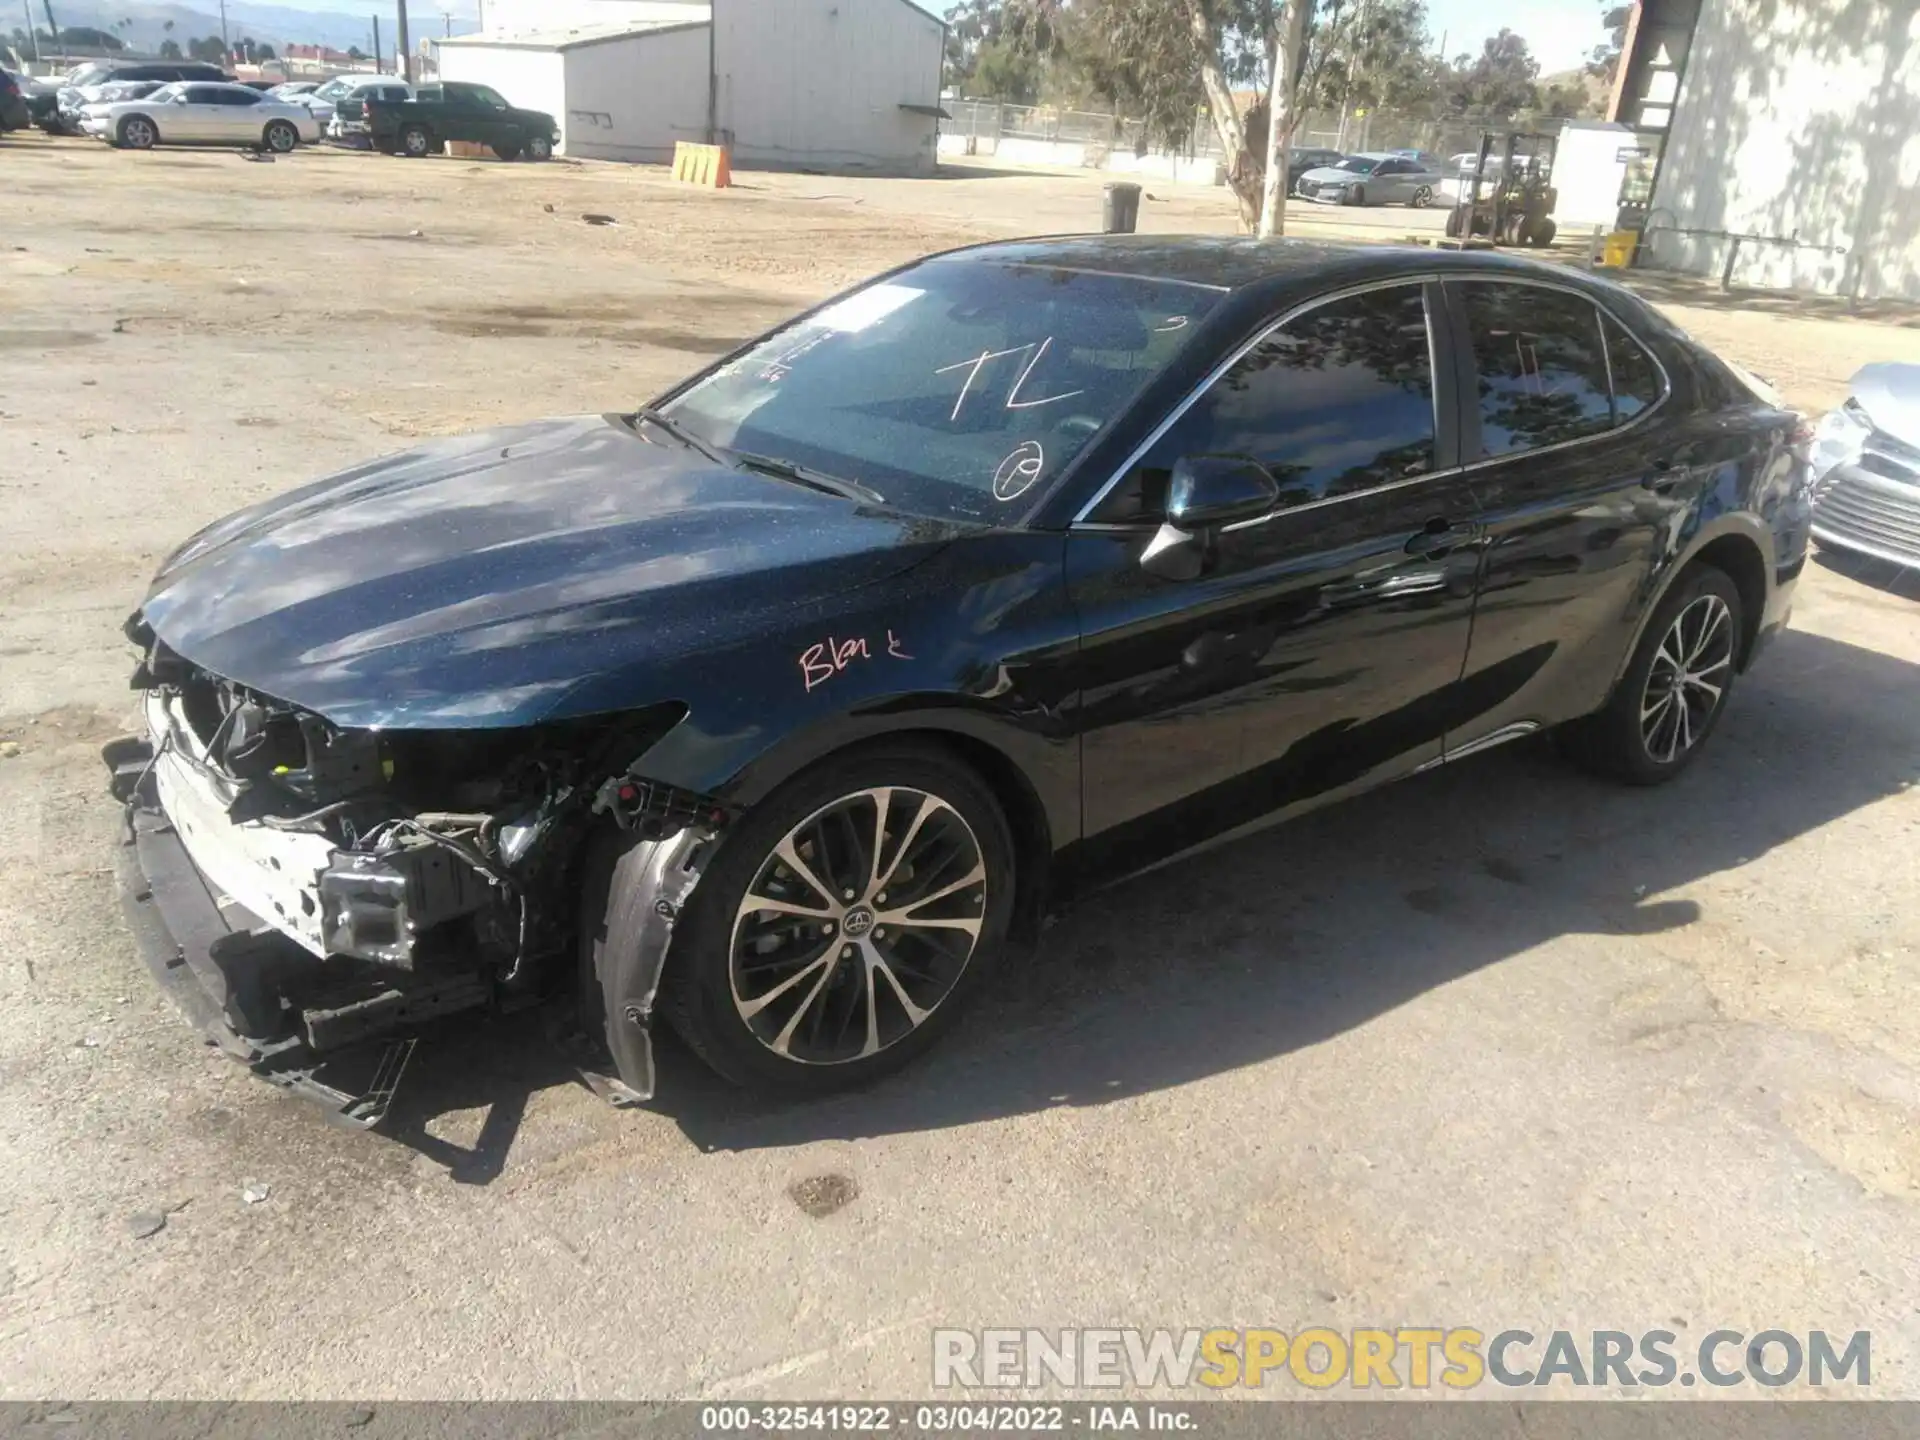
{"x": 702, "y": 165}
{"x": 1616, "y": 251}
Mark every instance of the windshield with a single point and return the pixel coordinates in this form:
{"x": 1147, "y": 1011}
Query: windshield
{"x": 91, "y": 74}
{"x": 953, "y": 388}
{"x": 334, "y": 89}
{"x": 1358, "y": 162}
{"x": 167, "y": 92}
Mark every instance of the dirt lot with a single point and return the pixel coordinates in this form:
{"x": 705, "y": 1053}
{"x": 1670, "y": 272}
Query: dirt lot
{"x": 1502, "y": 1047}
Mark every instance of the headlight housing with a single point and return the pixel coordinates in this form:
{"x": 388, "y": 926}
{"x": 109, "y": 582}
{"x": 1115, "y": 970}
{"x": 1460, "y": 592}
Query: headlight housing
{"x": 1839, "y": 438}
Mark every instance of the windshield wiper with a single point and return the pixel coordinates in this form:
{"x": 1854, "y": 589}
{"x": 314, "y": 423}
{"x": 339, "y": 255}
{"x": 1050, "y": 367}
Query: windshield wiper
{"x": 805, "y": 475}
{"x": 660, "y": 420}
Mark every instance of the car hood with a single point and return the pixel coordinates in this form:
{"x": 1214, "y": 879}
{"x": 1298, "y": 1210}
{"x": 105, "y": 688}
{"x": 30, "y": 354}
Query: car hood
{"x": 477, "y": 581}
{"x": 1332, "y": 172}
{"x": 1890, "y": 394}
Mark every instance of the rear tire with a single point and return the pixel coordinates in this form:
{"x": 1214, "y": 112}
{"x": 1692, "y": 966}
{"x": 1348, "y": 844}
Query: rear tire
{"x": 1674, "y": 690}
{"x": 782, "y": 1003}
{"x": 280, "y": 137}
{"x": 415, "y": 142}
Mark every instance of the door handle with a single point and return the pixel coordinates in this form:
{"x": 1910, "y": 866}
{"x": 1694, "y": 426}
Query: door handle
{"x": 1436, "y": 539}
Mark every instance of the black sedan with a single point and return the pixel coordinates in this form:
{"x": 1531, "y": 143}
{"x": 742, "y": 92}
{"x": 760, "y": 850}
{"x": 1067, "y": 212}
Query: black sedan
{"x": 776, "y": 706}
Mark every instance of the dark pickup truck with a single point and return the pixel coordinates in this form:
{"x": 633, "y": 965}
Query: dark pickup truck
{"x": 456, "y": 110}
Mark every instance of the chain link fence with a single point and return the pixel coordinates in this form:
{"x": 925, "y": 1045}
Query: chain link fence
{"x": 984, "y": 123}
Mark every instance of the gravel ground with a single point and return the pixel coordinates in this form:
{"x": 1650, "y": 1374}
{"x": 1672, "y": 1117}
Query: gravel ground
{"x": 1499, "y": 1047}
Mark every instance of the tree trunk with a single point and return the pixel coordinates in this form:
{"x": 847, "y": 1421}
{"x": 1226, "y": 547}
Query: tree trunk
{"x": 1282, "y": 116}
{"x": 1243, "y": 169}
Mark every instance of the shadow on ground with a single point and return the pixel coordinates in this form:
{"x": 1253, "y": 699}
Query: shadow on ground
{"x": 1269, "y": 944}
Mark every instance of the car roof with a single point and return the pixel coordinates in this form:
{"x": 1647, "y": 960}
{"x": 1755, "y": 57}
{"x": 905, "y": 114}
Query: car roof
{"x": 1240, "y": 262}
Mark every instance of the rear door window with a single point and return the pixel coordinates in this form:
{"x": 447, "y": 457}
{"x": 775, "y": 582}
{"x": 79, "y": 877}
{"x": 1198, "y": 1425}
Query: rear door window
{"x": 1637, "y": 382}
{"x": 1541, "y": 366}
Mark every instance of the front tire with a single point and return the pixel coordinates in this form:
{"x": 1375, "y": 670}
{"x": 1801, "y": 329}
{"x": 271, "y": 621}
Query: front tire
{"x": 280, "y": 138}
{"x": 1675, "y": 688}
{"x": 844, "y": 922}
{"x": 137, "y": 132}
{"x": 539, "y": 147}
{"x": 1356, "y": 195}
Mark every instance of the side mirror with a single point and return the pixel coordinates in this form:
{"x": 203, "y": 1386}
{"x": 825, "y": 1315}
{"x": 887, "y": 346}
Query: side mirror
{"x": 1204, "y": 494}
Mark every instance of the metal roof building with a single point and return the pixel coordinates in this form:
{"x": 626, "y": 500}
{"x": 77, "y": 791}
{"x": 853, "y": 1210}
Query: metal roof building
{"x": 813, "y": 84}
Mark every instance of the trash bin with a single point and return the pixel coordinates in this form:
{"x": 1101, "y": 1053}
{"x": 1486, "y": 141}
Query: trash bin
{"x": 1119, "y": 208}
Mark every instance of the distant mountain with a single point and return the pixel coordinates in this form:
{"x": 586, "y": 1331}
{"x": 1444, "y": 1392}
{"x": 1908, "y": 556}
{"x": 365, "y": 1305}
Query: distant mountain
{"x": 276, "y": 25}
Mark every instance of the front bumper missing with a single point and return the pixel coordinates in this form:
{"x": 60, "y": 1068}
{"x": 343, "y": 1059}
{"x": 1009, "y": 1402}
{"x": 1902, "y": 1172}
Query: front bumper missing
{"x": 343, "y": 1045}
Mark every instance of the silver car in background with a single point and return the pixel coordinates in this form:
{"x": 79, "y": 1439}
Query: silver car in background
{"x": 1866, "y": 467}
{"x": 190, "y": 113}
{"x": 1373, "y": 178}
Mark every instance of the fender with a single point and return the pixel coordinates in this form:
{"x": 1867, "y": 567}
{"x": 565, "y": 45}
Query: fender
{"x": 1047, "y": 765}
{"x": 1737, "y": 524}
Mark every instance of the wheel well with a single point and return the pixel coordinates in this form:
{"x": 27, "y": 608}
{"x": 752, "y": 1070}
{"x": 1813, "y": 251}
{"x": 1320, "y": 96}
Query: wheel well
{"x": 1026, "y": 816}
{"x": 1740, "y": 560}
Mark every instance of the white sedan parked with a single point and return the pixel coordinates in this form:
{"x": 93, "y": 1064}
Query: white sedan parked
{"x": 193, "y": 113}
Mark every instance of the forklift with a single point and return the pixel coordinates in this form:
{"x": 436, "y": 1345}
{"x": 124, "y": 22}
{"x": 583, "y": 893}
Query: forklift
{"x": 1515, "y": 205}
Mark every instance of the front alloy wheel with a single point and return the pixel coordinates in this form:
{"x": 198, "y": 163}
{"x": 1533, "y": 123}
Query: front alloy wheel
{"x": 1687, "y": 680}
{"x": 841, "y": 923}
{"x": 858, "y": 925}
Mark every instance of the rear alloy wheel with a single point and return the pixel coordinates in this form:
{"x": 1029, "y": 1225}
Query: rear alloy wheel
{"x": 280, "y": 137}
{"x": 839, "y": 929}
{"x": 139, "y": 133}
{"x": 1422, "y": 198}
{"x": 414, "y": 142}
{"x": 539, "y": 147}
{"x": 1674, "y": 690}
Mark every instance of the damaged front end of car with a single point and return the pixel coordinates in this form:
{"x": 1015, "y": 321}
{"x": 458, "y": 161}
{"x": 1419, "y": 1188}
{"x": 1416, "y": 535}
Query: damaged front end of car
{"x": 311, "y": 895}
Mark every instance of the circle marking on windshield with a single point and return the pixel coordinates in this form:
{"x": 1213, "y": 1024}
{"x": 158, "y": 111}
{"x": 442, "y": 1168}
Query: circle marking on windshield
{"x": 1019, "y": 470}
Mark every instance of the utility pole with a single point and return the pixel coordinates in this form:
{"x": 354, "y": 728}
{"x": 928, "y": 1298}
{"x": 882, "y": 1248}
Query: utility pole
{"x": 713, "y": 75}
{"x": 224, "y": 46}
{"x": 33, "y": 35}
{"x": 403, "y": 48}
{"x": 378, "y": 68}
{"x": 53, "y": 25}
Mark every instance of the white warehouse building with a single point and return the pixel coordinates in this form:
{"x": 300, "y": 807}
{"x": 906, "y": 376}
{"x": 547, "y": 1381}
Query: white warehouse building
{"x": 798, "y": 84}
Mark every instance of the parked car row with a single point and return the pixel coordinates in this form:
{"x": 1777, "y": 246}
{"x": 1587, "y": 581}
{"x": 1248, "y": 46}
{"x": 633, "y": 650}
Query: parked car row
{"x": 138, "y": 106}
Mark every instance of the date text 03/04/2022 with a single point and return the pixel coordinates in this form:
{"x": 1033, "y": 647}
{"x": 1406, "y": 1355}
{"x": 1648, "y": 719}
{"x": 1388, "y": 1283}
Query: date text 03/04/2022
{"x": 966, "y": 1418}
